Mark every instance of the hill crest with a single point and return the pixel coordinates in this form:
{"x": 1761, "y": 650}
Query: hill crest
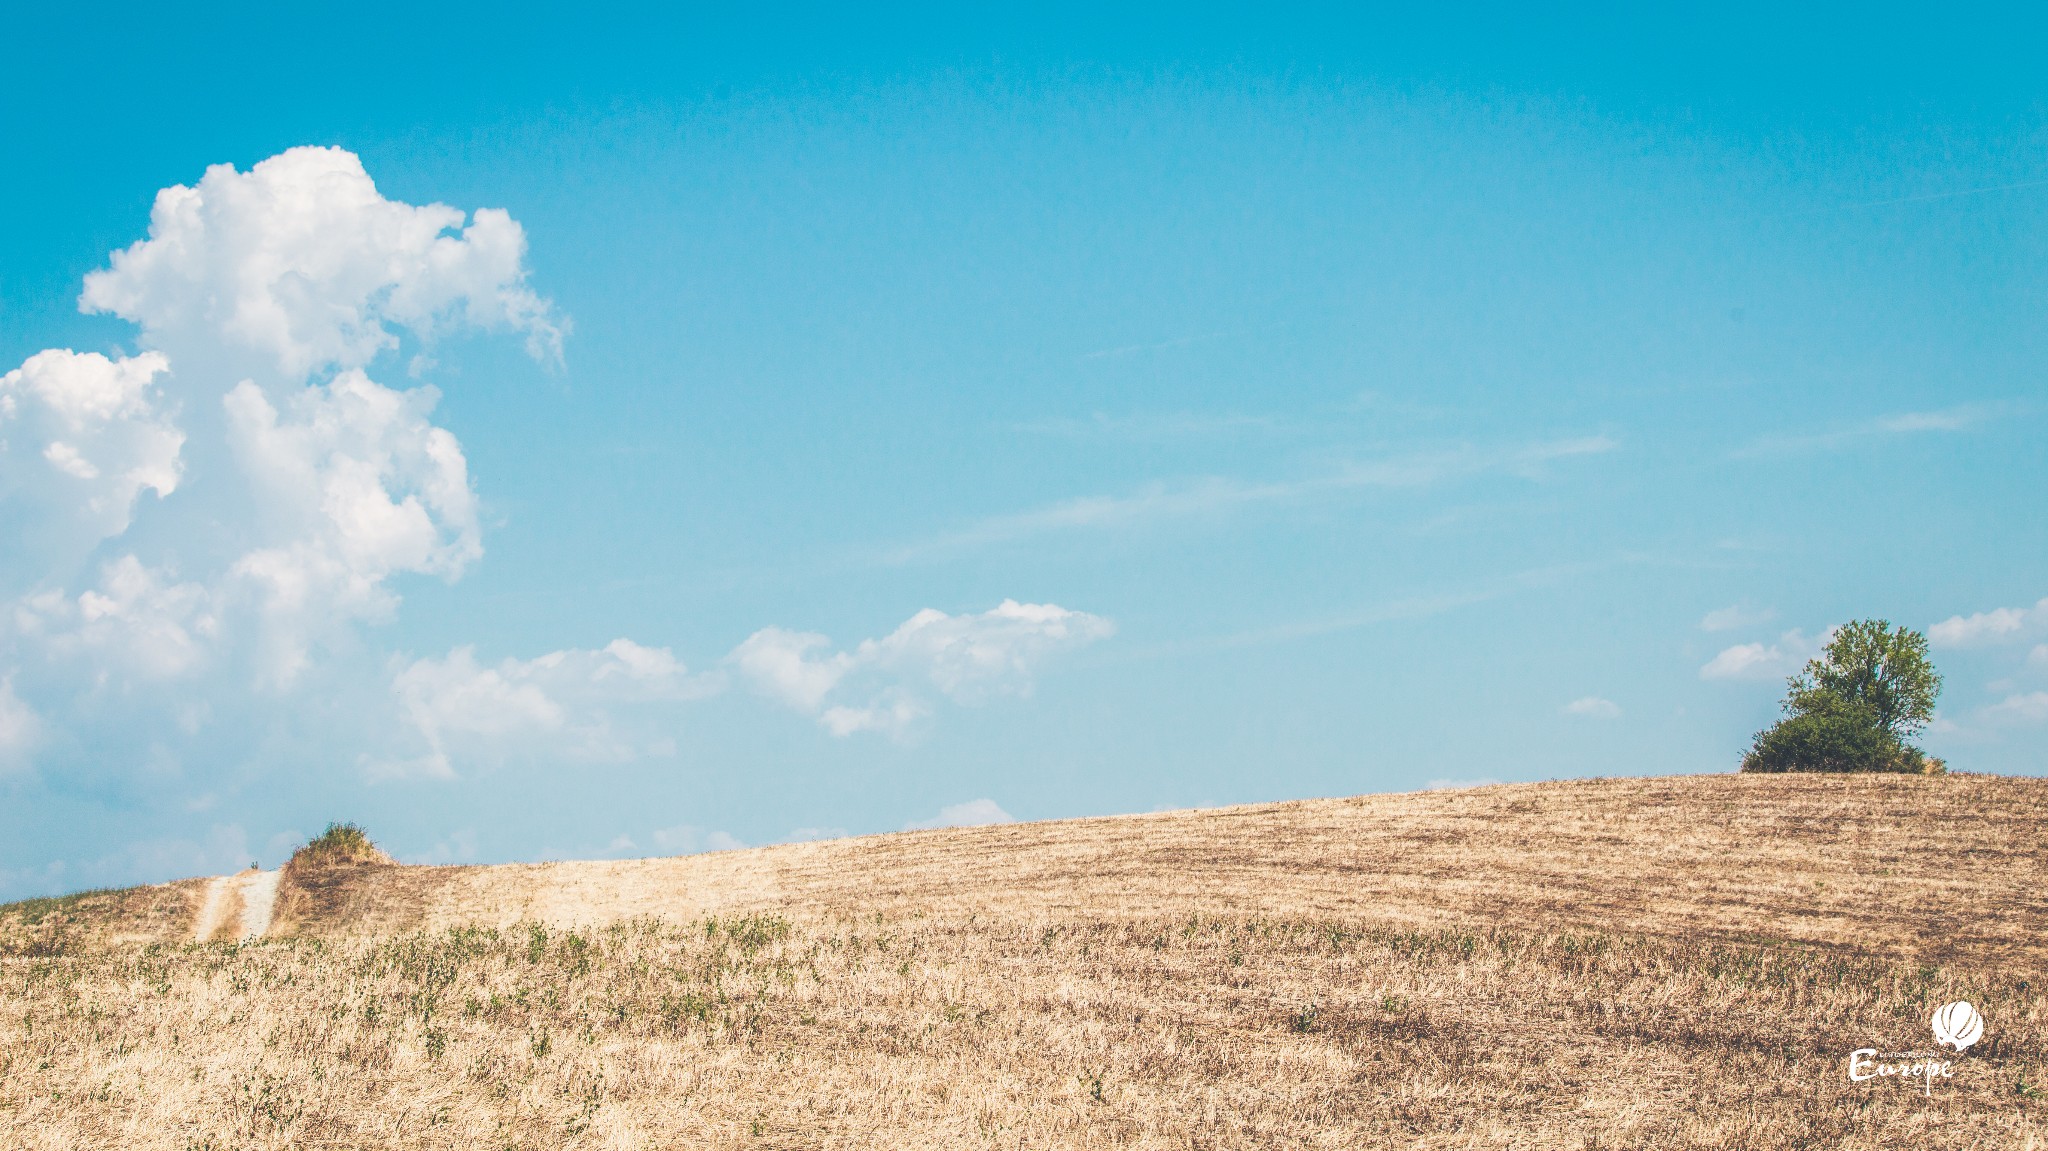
{"x": 1884, "y": 864}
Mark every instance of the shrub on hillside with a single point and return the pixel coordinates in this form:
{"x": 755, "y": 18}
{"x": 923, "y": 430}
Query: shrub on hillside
{"x": 317, "y": 879}
{"x": 341, "y": 843}
{"x": 1837, "y": 739}
{"x": 1854, "y": 708}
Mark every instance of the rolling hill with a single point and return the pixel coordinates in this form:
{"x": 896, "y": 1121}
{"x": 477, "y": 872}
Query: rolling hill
{"x": 1661, "y": 962}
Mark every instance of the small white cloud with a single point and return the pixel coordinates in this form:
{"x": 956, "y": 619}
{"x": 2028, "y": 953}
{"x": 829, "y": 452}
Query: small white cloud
{"x": 2001, "y": 625}
{"x": 565, "y": 705}
{"x": 892, "y": 717}
{"x": 1734, "y": 617}
{"x": 973, "y": 813}
{"x": 814, "y": 834}
{"x": 781, "y": 663}
{"x": 972, "y": 657}
{"x": 2019, "y": 709}
{"x": 969, "y": 659}
{"x": 20, "y": 729}
{"x": 688, "y": 840}
{"x": 1756, "y": 661}
{"x": 1593, "y": 707}
{"x": 456, "y": 695}
{"x": 1744, "y": 661}
{"x": 459, "y": 847}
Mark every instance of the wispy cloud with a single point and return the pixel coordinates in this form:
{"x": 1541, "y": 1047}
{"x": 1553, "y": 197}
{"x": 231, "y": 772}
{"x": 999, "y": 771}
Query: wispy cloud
{"x": 1156, "y": 346}
{"x": 1733, "y": 617}
{"x": 969, "y": 658}
{"x": 1155, "y": 425}
{"x": 1221, "y": 495}
{"x": 1593, "y": 707}
{"x": 1759, "y": 661}
{"x": 1388, "y": 611}
{"x": 1961, "y": 418}
{"x": 2000, "y": 625}
{"x": 1392, "y": 611}
{"x": 2019, "y": 708}
{"x": 973, "y": 813}
{"x": 1925, "y": 197}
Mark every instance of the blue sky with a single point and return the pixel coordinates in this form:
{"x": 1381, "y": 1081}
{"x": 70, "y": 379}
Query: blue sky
{"x": 804, "y": 425}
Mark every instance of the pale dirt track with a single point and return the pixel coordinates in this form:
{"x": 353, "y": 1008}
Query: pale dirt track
{"x": 213, "y": 909}
{"x": 259, "y": 900}
{"x": 237, "y": 907}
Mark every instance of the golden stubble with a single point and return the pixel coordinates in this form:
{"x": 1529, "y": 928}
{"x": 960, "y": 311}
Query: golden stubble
{"x": 1613, "y": 963}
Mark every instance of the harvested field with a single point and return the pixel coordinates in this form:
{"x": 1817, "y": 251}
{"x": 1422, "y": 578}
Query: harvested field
{"x": 1678, "y": 962}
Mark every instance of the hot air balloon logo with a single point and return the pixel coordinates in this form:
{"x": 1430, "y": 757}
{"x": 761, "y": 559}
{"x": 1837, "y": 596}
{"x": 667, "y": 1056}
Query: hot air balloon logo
{"x": 1958, "y": 1025}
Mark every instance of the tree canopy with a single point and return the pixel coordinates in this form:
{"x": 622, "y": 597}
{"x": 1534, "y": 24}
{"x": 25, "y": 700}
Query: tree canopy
{"x": 1854, "y": 707}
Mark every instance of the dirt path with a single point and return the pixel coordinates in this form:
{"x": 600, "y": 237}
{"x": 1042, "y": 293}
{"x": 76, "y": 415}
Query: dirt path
{"x": 259, "y": 899}
{"x": 211, "y": 911}
{"x": 252, "y": 895}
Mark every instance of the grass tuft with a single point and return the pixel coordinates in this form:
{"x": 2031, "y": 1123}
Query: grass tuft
{"x": 341, "y": 843}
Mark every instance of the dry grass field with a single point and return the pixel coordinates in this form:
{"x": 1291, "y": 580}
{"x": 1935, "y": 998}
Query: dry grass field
{"x": 1653, "y": 963}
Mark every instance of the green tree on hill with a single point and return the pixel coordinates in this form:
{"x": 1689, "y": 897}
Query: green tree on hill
{"x": 1854, "y": 708}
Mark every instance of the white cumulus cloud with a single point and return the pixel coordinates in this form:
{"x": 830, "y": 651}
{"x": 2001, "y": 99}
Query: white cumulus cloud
{"x": 690, "y": 840}
{"x": 1733, "y": 617}
{"x": 81, "y": 437}
{"x": 300, "y": 263}
{"x": 352, "y": 485}
{"x": 202, "y": 535}
{"x": 1593, "y": 707}
{"x": 288, "y": 488}
{"x": 20, "y": 728}
{"x": 2003, "y": 628}
{"x": 2000, "y": 625}
{"x": 1758, "y": 661}
{"x": 797, "y": 667}
{"x": 570, "y": 705}
{"x": 893, "y": 715}
{"x": 972, "y": 657}
{"x": 2019, "y": 708}
{"x": 139, "y": 621}
{"x": 973, "y": 813}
